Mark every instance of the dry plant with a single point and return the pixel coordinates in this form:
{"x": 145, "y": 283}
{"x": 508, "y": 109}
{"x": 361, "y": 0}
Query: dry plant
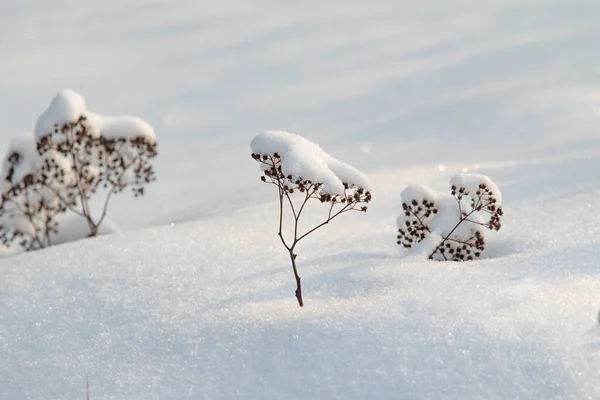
{"x": 462, "y": 226}
{"x": 352, "y": 199}
{"x": 63, "y": 165}
{"x": 95, "y": 161}
{"x": 29, "y": 209}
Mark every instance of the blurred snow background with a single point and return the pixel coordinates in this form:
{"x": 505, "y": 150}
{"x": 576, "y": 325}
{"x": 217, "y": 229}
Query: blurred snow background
{"x": 385, "y": 84}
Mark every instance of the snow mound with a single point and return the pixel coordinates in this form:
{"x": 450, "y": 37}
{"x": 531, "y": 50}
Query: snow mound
{"x": 305, "y": 160}
{"x": 202, "y": 311}
{"x": 6, "y": 252}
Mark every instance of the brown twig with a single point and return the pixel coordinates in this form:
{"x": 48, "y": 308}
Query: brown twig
{"x": 286, "y": 187}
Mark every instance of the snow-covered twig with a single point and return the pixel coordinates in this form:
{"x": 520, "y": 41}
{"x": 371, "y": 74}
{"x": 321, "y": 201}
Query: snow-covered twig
{"x": 101, "y": 151}
{"x": 296, "y": 165}
{"x": 28, "y": 209}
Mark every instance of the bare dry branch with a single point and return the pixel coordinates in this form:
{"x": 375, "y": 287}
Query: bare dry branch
{"x": 353, "y": 199}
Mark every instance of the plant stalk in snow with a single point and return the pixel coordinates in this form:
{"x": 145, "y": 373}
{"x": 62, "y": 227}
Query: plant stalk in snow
{"x": 353, "y": 199}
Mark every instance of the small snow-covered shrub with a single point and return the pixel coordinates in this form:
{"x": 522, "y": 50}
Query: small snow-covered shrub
{"x": 71, "y": 155}
{"x": 451, "y": 226}
{"x": 29, "y": 208}
{"x": 302, "y": 170}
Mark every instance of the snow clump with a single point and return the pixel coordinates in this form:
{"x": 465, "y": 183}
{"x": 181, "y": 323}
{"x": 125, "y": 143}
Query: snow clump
{"x": 68, "y": 107}
{"x": 306, "y": 161}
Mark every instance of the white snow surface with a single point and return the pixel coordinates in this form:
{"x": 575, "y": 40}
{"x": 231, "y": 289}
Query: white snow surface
{"x": 206, "y": 309}
{"x": 303, "y": 159}
{"x": 198, "y": 303}
{"x": 74, "y": 227}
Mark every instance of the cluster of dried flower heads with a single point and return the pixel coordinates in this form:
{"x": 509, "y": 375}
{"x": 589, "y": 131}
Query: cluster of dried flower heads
{"x": 460, "y": 234}
{"x": 74, "y": 162}
{"x": 416, "y": 216}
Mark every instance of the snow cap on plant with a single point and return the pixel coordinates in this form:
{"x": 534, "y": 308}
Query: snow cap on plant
{"x": 68, "y": 108}
{"x": 301, "y": 159}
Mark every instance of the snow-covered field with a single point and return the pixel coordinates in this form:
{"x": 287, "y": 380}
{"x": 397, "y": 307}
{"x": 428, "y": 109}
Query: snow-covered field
{"x": 194, "y": 299}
